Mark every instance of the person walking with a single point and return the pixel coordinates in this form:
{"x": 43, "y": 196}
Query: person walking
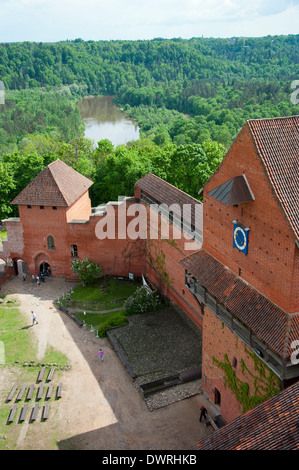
{"x": 203, "y": 413}
{"x": 34, "y": 320}
{"x": 101, "y": 354}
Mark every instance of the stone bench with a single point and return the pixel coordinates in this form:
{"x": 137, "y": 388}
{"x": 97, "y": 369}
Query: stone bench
{"x": 41, "y": 374}
{"x": 23, "y": 412}
{"x": 34, "y": 412}
{"x": 40, "y": 392}
{"x": 30, "y": 392}
{"x": 45, "y": 411}
{"x": 21, "y": 393}
{"x": 59, "y": 391}
{"x": 12, "y": 414}
{"x": 51, "y": 373}
{"x": 11, "y": 394}
{"x": 49, "y": 392}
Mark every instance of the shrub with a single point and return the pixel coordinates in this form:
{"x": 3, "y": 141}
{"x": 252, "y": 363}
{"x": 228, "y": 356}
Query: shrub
{"x": 87, "y": 270}
{"x": 116, "y": 320}
{"x": 142, "y": 301}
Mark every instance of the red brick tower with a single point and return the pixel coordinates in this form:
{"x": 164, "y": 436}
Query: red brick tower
{"x": 56, "y": 196}
{"x": 247, "y": 273}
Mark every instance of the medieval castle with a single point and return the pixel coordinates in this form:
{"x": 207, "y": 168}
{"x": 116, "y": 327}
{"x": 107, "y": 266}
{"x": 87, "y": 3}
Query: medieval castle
{"x": 231, "y": 263}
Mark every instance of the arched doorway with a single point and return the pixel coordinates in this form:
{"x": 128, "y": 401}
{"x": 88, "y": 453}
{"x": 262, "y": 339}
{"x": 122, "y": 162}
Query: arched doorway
{"x": 42, "y": 263}
{"x": 20, "y": 267}
{"x": 45, "y": 269}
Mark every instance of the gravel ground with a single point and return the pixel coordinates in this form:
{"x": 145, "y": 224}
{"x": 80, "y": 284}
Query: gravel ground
{"x": 153, "y": 349}
{"x": 160, "y": 343}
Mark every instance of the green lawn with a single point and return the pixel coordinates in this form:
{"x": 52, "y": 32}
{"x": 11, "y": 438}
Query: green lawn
{"x": 104, "y": 294}
{"x": 104, "y": 291}
{"x": 102, "y": 321}
{"x": 19, "y": 342}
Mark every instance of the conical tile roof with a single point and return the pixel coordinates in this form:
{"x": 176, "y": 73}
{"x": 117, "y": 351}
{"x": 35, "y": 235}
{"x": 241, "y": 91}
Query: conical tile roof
{"x": 57, "y": 185}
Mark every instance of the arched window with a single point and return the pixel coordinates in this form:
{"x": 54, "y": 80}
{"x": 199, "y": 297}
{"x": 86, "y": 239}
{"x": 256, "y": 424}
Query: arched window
{"x": 51, "y": 245}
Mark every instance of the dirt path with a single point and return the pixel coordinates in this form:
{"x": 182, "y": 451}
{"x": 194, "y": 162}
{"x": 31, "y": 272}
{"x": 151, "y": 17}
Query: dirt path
{"x": 100, "y": 407}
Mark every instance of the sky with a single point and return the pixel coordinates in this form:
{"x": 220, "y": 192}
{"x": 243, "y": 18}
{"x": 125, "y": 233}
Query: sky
{"x": 58, "y": 20}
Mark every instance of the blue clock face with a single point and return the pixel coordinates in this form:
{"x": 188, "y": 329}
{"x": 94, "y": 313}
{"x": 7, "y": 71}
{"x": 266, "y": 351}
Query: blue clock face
{"x": 240, "y": 238}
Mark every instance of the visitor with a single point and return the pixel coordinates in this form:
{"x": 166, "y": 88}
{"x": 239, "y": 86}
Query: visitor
{"x": 34, "y": 320}
{"x": 203, "y": 412}
{"x": 101, "y": 354}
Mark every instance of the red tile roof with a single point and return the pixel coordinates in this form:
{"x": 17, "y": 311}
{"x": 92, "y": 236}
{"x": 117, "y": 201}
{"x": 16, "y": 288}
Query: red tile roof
{"x": 277, "y": 143}
{"x": 273, "y": 425}
{"x": 165, "y": 193}
{"x": 57, "y": 185}
{"x": 265, "y": 319}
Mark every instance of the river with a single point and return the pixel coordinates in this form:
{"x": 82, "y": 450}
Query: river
{"x": 104, "y": 120}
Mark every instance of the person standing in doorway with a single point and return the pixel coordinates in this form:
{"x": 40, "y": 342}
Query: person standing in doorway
{"x": 101, "y": 354}
{"x": 34, "y": 320}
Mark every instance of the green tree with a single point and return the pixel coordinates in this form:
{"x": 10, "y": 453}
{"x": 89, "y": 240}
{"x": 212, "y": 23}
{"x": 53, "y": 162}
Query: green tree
{"x": 118, "y": 173}
{"x": 88, "y": 271}
{"x": 215, "y": 153}
{"x": 188, "y": 168}
{"x": 103, "y": 149}
{"x": 6, "y": 186}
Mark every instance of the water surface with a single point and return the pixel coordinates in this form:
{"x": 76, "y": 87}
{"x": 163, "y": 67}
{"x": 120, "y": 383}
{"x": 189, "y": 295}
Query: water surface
{"x": 104, "y": 120}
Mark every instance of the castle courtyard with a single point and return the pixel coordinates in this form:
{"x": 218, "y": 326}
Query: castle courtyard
{"x": 101, "y": 407}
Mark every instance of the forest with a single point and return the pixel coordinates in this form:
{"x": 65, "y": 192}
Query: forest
{"x": 189, "y": 97}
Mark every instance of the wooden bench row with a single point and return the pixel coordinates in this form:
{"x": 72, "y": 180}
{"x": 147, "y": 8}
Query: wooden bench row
{"x": 30, "y": 392}
{"x": 45, "y": 413}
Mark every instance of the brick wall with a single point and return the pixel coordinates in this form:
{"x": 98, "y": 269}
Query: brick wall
{"x": 218, "y": 340}
{"x": 13, "y": 246}
{"x": 6, "y": 274}
{"x": 29, "y": 240}
{"x": 116, "y": 255}
{"x": 38, "y": 225}
{"x": 81, "y": 209}
{"x": 270, "y": 265}
{"x": 164, "y": 271}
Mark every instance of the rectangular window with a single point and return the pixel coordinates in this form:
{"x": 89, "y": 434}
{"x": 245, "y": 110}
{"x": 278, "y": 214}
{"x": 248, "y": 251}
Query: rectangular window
{"x": 41, "y": 207}
{"x": 217, "y": 397}
{"x": 28, "y": 207}
{"x": 54, "y": 208}
{"x": 74, "y": 250}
